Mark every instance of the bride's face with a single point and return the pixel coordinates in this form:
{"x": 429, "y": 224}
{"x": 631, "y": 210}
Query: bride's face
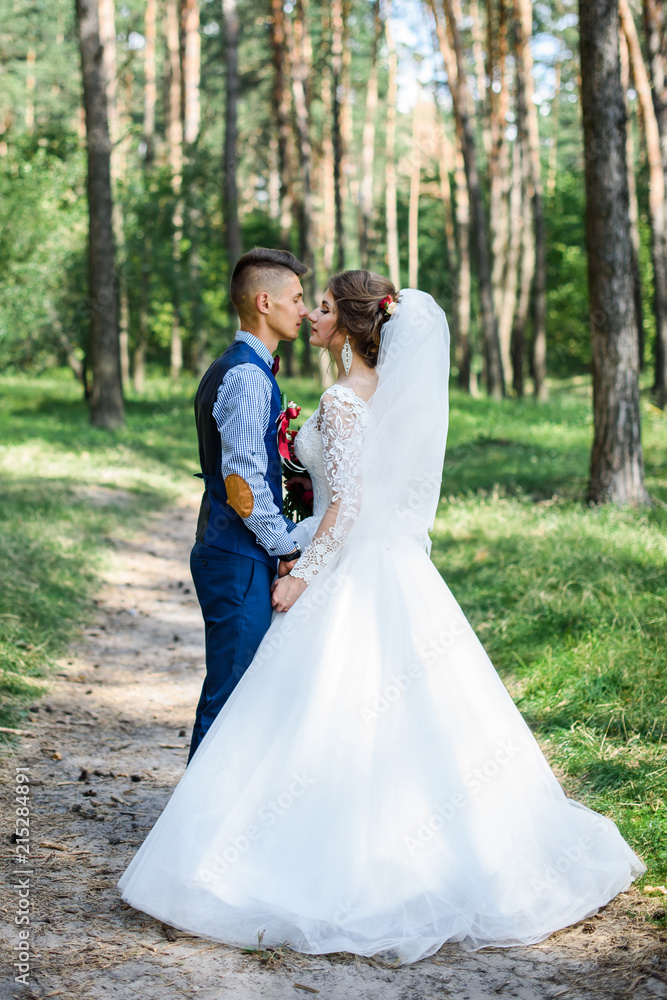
{"x": 323, "y": 321}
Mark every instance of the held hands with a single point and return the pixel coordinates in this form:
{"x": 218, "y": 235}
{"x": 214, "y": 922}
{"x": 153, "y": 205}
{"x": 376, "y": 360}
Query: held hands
{"x": 286, "y": 590}
{"x": 285, "y": 567}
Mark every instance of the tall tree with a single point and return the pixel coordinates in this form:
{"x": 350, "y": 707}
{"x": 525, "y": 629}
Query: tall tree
{"x": 30, "y": 82}
{"x": 150, "y": 94}
{"x": 175, "y": 143}
{"x": 633, "y": 205}
{"x": 282, "y": 107}
{"x": 150, "y": 87}
{"x": 337, "y": 38}
{"x": 527, "y": 266}
{"x": 368, "y": 142}
{"x": 617, "y": 468}
{"x": 413, "y": 212}
{"x": 509, "y": 305}
{"x": 654, "y": 23}
{"x": 107, "y": 22}
{"x": 452, "y": 52}
{"x": 191, "y": 119}
{"x": 106, "y": 400}
{"x": 523, "y": 28}
{"x": 657, "y": 210}
{"x": 234, "y": 244}
{"x": 300, "y": 67}
{"x": 393, "y": 260}
{"x": 191, "y": 70}
{"x": 500, "y": 176}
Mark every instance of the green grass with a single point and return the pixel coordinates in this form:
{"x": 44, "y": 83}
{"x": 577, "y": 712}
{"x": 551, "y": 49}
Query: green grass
{"x": 65, "y": 488}
{"x": 570, "y": 602}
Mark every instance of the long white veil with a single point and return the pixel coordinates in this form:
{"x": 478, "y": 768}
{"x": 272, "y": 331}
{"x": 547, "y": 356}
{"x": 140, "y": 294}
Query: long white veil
{"x": 404, "y": 448}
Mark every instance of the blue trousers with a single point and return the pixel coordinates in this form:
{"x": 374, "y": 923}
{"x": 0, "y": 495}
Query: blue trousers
{"x": 234, "y": 592}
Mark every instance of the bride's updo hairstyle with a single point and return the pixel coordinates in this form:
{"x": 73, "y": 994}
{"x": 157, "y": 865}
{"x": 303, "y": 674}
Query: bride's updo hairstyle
{"x": 358, "y": 296}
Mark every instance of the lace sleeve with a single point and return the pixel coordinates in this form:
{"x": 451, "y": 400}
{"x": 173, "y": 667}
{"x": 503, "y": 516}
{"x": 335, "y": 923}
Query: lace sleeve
{"x": 342, "y": 423}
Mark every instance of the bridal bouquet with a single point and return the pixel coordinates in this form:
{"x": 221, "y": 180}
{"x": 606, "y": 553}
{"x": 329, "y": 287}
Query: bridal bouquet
{"x": 298, "y": 502}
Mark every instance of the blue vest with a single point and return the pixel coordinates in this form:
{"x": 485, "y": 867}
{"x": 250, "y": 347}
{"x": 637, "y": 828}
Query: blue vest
{"x": 219, "y": 525}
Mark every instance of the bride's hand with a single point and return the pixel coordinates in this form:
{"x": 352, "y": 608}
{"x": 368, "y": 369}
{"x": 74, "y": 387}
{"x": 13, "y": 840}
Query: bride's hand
{"x": 286, "y": 591}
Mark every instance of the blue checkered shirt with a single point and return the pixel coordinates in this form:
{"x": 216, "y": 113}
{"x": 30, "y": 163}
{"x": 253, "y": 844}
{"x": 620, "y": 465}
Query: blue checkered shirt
{"x": 241, "y": 412}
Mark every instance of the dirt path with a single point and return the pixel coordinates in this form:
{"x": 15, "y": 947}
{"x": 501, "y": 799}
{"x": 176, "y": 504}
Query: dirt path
{"x": 110, "y": 743}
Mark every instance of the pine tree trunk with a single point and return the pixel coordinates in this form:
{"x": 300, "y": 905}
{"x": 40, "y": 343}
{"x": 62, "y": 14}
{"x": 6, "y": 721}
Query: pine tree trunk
{"x": 349, "y": 178}
{"x": 107, "y": 22}
{"x": 368, "y": 143}
{"x": 234, "y": 243}
{"x": 446, "y": 167}
{"x": 656, "y": 190}
{"x": 633, "y": 207}
{"x": 282, "y": 108}
{"x": 328, "y": 181}
{"x": 467, "y": 378}
{"x": 553, "y": 149}
{"x": 106, "y": 402}
{"x": 456, "y": 75}
{"x": 654, "y": 23}
{"x": 150, "y": 89}
{"x": 499, "y": 172}
{"x": 393, "y": 258}
{"x": 617, "y": 471}
{"x": 175, "y": 143}
{"x": 526, "y": 271}
{"x": 30, "y": 82}
{"x": 337, "y": 33}
{"x": 300, "y": 70}
{"x": 190, "y": 120}
{"x": 413, "y": 212}
{"x": 483, "y": 114}
{"x": 150, "y": 92}
{"x": 191, "y": 70}
{"x": 512, "y": 359}
{"x": 523, "y": 25}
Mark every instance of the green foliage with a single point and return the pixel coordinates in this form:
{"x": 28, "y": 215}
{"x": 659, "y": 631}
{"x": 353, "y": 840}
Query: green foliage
{"x": 43, "y": 218}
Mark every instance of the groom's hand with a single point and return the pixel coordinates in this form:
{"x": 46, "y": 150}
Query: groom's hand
{"x": 286, "y": 591}
{"x": 285, "y": 567}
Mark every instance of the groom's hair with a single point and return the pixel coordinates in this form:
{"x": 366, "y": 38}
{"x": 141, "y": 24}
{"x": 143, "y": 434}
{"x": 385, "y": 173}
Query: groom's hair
{"x": 261, "y": 270}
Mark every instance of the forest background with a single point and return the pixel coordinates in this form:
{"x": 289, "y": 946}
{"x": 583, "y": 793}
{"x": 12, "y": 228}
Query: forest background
{"x": 443, "y": 144}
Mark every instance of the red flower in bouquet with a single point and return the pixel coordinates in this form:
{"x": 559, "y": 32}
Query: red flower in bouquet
{"x": 298, "y": 503}
{"x": 285, "y": 437}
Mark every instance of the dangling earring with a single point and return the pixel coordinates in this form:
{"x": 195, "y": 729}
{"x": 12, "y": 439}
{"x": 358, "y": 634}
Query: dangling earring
{"x": 346, "y": 356}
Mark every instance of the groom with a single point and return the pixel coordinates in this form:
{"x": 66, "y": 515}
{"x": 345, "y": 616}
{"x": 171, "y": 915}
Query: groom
{"x": 242, "y": 532}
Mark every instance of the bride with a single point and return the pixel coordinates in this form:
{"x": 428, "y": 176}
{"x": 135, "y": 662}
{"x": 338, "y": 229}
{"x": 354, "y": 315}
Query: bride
{"x": 370, "y": 786}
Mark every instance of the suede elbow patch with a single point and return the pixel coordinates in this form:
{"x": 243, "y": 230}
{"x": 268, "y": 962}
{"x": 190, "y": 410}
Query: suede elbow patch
{"x": 239, "y": 495}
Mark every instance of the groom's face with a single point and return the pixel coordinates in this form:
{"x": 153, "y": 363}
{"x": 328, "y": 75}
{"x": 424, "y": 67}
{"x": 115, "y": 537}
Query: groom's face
{"x": 286, "y": 310}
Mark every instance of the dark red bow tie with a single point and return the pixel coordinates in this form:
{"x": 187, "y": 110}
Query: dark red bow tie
{"x": 275, "y": 367}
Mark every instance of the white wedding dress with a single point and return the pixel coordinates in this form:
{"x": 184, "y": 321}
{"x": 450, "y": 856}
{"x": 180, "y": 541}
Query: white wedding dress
{"x": 370, "y": 786}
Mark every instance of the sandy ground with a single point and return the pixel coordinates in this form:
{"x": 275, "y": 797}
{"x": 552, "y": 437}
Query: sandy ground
{"x": 108, "y": 745}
